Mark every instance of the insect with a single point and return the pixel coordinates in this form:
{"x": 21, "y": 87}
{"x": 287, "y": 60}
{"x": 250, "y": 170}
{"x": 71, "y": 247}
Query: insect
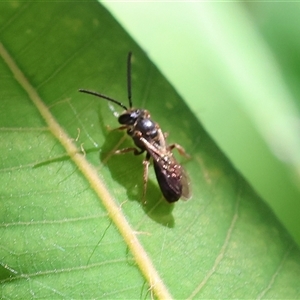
{"x": 148, "y": 137}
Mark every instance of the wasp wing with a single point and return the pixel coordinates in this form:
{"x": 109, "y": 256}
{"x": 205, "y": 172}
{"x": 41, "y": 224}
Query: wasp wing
{"x": 172, "y": 178}
{"x": 169, "y": 182}
{"x": 186, "y": 187}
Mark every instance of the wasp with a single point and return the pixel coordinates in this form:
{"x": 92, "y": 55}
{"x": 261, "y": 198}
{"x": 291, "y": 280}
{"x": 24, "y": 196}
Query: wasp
{"x": 148, "y": 137}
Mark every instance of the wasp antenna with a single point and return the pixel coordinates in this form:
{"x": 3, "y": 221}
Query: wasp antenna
{"x": 104, "y": 97}
{"x": 129, "y": 78}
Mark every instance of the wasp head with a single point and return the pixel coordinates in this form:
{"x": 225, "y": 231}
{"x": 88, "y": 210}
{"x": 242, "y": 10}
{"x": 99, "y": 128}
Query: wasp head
{"x": 130, "y": 116}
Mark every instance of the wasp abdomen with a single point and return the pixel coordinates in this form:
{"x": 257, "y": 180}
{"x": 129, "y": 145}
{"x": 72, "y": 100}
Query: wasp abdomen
{"x": 149, "y": 138}
{"x": 170, "y": 184}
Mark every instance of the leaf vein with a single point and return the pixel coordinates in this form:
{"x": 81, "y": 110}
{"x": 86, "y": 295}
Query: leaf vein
{"x": 221, "y": 254}
{"x": 276, "y": 273}
{"x": 142, "y": 259}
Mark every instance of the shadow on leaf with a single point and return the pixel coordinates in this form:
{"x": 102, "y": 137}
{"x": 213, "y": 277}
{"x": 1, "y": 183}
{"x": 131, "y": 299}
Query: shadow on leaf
{"x": 127, "y": 170}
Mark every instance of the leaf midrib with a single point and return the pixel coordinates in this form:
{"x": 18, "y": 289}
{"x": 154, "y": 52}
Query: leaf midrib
{"x": 89, "y": 172}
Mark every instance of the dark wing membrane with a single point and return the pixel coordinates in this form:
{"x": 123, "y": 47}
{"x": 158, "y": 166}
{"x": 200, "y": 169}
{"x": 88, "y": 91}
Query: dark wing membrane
{"x": 170, "y": 186}
{"x": 186, "y": 188}
{"x": 172, "y": 178}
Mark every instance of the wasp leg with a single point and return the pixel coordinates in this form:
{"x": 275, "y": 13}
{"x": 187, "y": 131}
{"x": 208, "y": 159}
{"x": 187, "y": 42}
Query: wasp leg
{"x": 125, "y": 150}
{"x": 146, "y": 163}
{"x": 180, "y": 150}
{"x": 123, "y": 127}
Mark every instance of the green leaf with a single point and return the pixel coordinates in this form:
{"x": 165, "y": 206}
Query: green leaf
{"x": 72, "y": 221}
{"x": 236, "y": 66}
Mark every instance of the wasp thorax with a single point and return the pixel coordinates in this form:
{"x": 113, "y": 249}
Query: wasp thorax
{"x": 148, "y": 137}
{"x": 146, "y": 127}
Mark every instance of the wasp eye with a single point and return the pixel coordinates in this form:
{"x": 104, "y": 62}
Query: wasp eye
{"x": 129, "y": 118}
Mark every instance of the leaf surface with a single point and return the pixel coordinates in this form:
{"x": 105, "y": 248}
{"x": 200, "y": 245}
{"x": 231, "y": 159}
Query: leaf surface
{"x": 72, "y": 222}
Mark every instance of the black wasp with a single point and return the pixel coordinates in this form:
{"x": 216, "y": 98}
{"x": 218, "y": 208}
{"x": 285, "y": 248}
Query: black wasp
{"x": 148, "y": 137}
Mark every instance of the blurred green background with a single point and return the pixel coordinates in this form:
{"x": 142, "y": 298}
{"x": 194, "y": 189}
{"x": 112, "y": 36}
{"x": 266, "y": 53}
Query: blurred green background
{"x": 237, "y": 65}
